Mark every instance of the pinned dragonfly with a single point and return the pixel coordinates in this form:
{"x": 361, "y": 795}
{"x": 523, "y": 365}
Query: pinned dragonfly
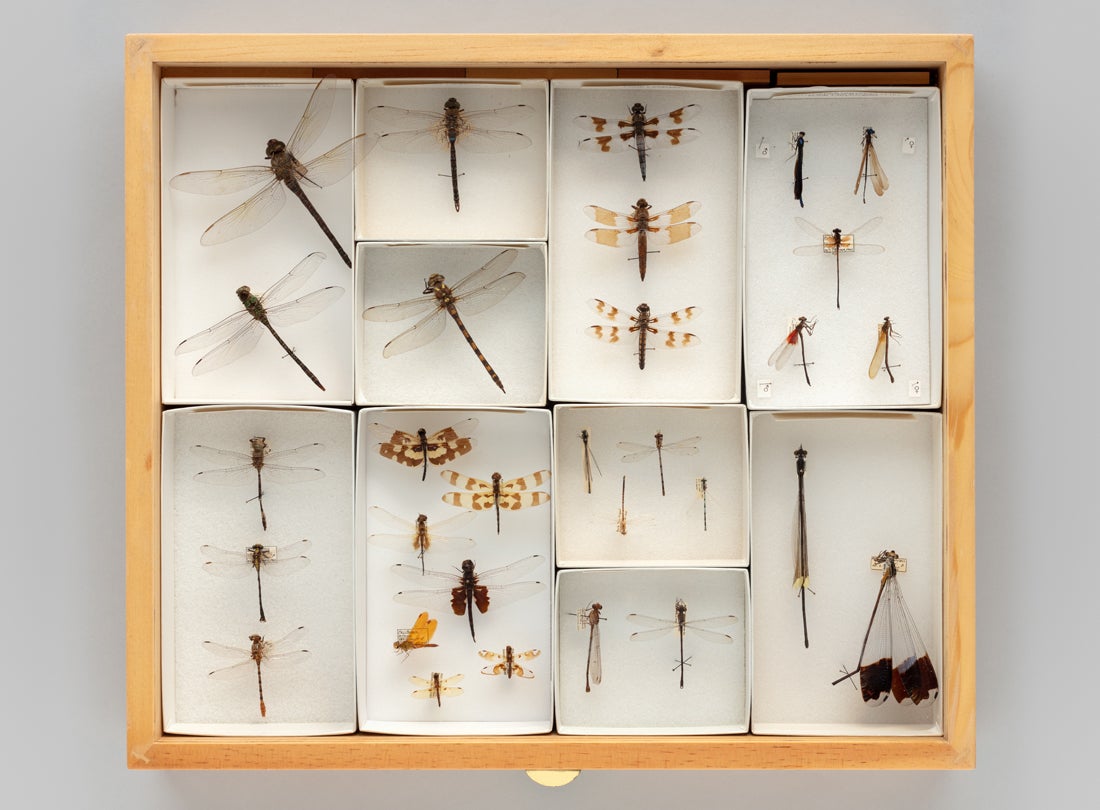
{"x": 588, "y": 460}
{"x": 835, "y": 242}
{"x": 237, "y": 335}
{"x": 475, "y": 293}
{"x": 497, "y": 494}
{"x": 869, "y": 167}
{"x": 436, "y": 687}
{"x": 700, "y": 628}
{"x": 640, "y": 132}
{"x": 425, "y": 131}
{"x": 263, "y": 654}
{"x": 638, "y": 452}
{"x": 422, "y": 449}
{"x": 509, "y": 662}
{"x": 796, "y": 337}
{"x": 643, "y": 229}
{"x": 276, "y": 560}
{"x": 881, "y": 358}
{"x": 802, "y": 560}
{"x": 416, "y": 637}
{"x": 419, "y": 536}
{"x": 798, "y": 146}
{"x": 641, "y": 328}
{"x": 589, "y": 619}
{"x": 897, "y": 661}
{"x": 287, "y": 169}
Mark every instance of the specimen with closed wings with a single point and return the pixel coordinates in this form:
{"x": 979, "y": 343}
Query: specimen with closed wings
{"x": 800, "y": 329}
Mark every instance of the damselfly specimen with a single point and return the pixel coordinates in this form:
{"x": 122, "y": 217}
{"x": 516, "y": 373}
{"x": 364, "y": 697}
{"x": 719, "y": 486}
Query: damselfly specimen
{"x": 426, "y": 131}
{"x": 496, "y": 494}
{"x": 286, "y": 169}
{"x": 869, "y": 167}
{"x": 620, "y": 524}
{"x": 640, "y": 132}
{"x": 277, "y": 560}
{"x": 638, "y": 328}
{"x": 588, "y": 459}
{"x": 416, "y": 637}
{"x": 836, "y": 241}
{"x": 589, "y": 619}
{"x": 475, "y": 293}
{"x": 261, "y": 462}
{"x": 637, "y": 452}
{"x": 798, "y": 146}
{"x": 467, "y": 589}
{"x": 701, "y": 490}
{"x": 897, "y": 661}
{"x": 508, "y": 662}
{"x": 680, "y": 625}
{"x": 642, "y": 229}
{"x": 801, "y": 559}
{"x": 237, "y": 335}
{"x": 422, "y": 449}
{"x": 419, "y": 536}
{"x": 264, "y": 655}
{"x": 796, "y": 337}
{"x": 881, "y": 357}
{"x": 436, "y": 687}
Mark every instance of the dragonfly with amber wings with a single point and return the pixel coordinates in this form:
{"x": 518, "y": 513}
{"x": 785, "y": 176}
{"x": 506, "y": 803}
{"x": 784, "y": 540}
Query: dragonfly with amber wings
{"x": 421, "y": 449}
{"x": 472, "y": 295}
{"x": 436, "y": 687}
{"x": 508, "y": 662}
{"x": 418, "y": 537}
{"x": 496, "y": 494}
{"x": 643, "y": 228}
{"x": 416, "y": 637}
{"x": 639, "y": 131}
{"x": 287, "y": 169}
{"x": 641, "y": 329}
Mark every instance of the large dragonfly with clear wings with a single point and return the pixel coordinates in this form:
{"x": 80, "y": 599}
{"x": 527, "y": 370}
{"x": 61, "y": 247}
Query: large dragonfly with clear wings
{"x": 426, "y": 131}
{"x": 261, "y": 654}
{"x": 287, "y": 169}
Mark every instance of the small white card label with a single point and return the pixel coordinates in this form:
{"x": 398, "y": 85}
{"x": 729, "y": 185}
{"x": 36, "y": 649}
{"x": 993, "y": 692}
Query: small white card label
{"x": 763, "y": 149}
{"x": 764, "y": 389}
{"x": 908, "y": 145}
{"x": 915, "y": 388}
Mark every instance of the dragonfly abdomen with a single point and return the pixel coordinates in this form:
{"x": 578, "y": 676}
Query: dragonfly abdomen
{"x": 453, "y": 311}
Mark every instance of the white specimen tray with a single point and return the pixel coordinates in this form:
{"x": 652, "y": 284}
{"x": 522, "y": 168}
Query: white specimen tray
{"x": 703, "y": 271}
{"x": 408, "y": 195}
{"x": 515, "y": 443}
{"x": 640, "y": 691}
{"x": 872, "y": 483}
{"x": 903, "y": 281}
{"x": 316, "y": 696}
{"x": 660, "y": 531}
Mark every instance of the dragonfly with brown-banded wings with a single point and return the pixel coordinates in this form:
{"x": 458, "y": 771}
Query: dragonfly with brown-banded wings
{"x": 417, "y": 537}
{"x": 260, "y": 462}
{"x": 468, "y": 589}
{"x": 235, "y": 336}
{"x": 881, "y": 358}
{"x": 276, "y": 560}
{"x": 643, "y": 228}
{"x": 641, "y": 132}
{"x": 416, "y": 637}
{"x": 642, "y": 327}
{"x": 452, "y": 129}
{"x": 637, "y": 452}
{"x": 436, "y": 687}
{"x": 836, "y": 241}
{"x": 795, "y": 337}
{"x": 700, "y": 628}
{"x": 497, "y": 493}
{"x": 897, "y": 660}
{"x": 509, "y": 662}
{"x": 261, "y": 654}
{"x": 421, "y": 449}
{"x": 287, "y": 168}
{"x": 474, "y": 294}
{"x": 869, "y": 167}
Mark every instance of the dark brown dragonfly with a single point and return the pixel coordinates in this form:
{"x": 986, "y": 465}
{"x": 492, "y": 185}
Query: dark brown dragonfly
{"x": 261, "y": 461}
{"x": 421, "y": 449}
{"x": 420, "y": 536}
{"x": 700, "y": 628}
{"x": 508, "y": 662}
{"x": 869, "y": 167}
{"x": 497, "y": 494}
{"x": 795, "y": 337}
{"x": 640, "y": 131}
{"x": 261, "y": 654}
{"x": 589, "y": 619}
{"x": 835, "y": 242}
{"x": 426, "y": 131}
{"x": 798, "y": 148}
{"x": 287, "y": 168}
{"x": 436, "y": 687}
{"x": 643, "y": 229}
{"x": 881, "y": 358}
{"x": 235, "y": 336}
{"x": 276, "y": 560}
{"x": 802, "y": 560}
{"x": 897, "y": 662}
{"x": 474, "y": 294}
{"x": 641, "y": 328}
{"x": 467, "y": 589}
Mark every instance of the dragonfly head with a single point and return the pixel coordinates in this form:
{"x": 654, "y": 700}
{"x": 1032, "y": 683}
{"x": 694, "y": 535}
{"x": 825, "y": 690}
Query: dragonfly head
{"x": 681, "y": 607}
{"x": 468, "y": 567}
{"x": 496, "y": 477}
{"x": 244, "y": 293}
{"x": 642, "y": 205}
{"x": 452, "y": 105}
{"x": 274, "y": 147}
{"x": 597, "y": 606}
{"x": 434, "y": 282}
{"x": 643, "y": 310}
{"x": 255, "y": 639}
{"x": 421, "y": 520}
{"x": 637, "y": 109}
{"x": 259, "y": 443}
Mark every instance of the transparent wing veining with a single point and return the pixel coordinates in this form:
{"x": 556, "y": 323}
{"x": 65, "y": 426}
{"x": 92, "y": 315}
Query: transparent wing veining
{"x": 220, "y": 181}
{"x": 478, "y": 300}
{"x": 292, "y": 281}
{"x": 314, "y": 119}
{"x": 335, "y": 164}
{"x": 489, "y": 271}
{"x": 419, "y": 334}
{"x": 231, "y": 349}
{"x": 220, "y": 331}
{"x": 252, "y": 214}
{"x": 305, "y": 307}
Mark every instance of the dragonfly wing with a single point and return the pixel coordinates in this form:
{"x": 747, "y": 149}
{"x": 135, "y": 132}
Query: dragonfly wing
{"x": 414, "y": 142}
{"x": 405, "y": 119}
{"x": 636, "y": 452}
{"x": 457, "y": 479}
{"x": 782, "y": 353}
{"x": 525, "y": 482}
{"x": 280, "y": 661}
{"x": 315, "y": 118}
{"x": 220, "y": 331}
{"x": 219, "y": 455}
{"x": 595, "y": 658}
{"x": 288, "y": 551}
{"x": 665, "y": 138}
{"x": 221, "y": 181}
{"x": 507, "y": 594}
{"x": 862, "y": 166}
{"x": 451, "y": 523}
{"x": 496, "y": 576}
{"x": 229, "y": 570}
{"x": 673, "y": 233}
{"x": 231, "y": 349}
{"x": 611, "y": 312}
{"x": 879, "y": 356}
{"x": 672, "y": 216}
{"x": 303, "y": 453}
{"x": 878, "y": 177}
{"x": 390, "y": 520}
{"x": 683, "y": 447}
{"x": 709, "y": 635}
{"x": 488, "y": 272}
{"x": 479, "y": 300}
{"x": 304, "y": 308}
{"x": 605, "y": 216}
{"x": 501, "y": 116}
{"x": 492, "y": 141}
{"x": 612, "y": 238}
{"x": 239, "y": 670}
{"x": 388, "y": 313}
{"x": 292, "y": 281}
{"x": 395, "y": 542}
{"x": 439, "y": 579}
{"x": 655, "y": 633}
{"x": 419, "y": 334}
{"x": 424, "y": 598}
{"x": 337, "y": 163}
{"x": 867, "y": 226}
{"x": 913, "y": 678}
{"x": 253, "y": 213}
{"x": 811, "y": 229}
{"x": 233, "y": 476}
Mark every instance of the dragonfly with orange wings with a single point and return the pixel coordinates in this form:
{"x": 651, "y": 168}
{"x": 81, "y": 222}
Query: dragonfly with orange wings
{"x": 881, "y": 359}
{"x": 641, "y": 131}
{"x": 496, "y": 494}
{"x": 869, "y": 167}
{"x": 416, "y": 637}
{"x": 436, "y": 687}
{"x": 643, "y": 229}
{"x": 421, "y": 449}
{"x": 508, "y": 662}
{"x": 642, "y": 327}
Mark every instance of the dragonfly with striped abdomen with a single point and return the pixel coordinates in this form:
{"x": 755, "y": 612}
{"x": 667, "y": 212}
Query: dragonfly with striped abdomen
{"x": 263, "y": 654}
{"x": 421, "y": 449}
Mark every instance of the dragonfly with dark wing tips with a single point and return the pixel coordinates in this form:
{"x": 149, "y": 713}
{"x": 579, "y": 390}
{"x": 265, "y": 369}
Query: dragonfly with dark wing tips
{"x": 869, "y": 167}
{"x": 836, "y": 241}
{"x": 468, "y": 588}
{"x": 474, "y": 294}
{"x": 700, "y": 628}
{"x": 508, "y": 662}
{"x": 881, "y": 358}
{"x": 436, "y": 687}
{"x": 426, "y": 131}
{"x": 264, "y": 655}
{"x": 642, "y": 327}
{"x": 640, "y": 132}
{"x": 638, "y": 452}
{"x": 423, "y": 448}
{"x": 237, "y": 335}
{"x": 287, "y": 168}
{"x": 277, "y": 560}
{"x": 795, "y": 337}
{"x": 261, "y": 461}
{"x": 419, "y": 536}
{"x": 643, "y": 228}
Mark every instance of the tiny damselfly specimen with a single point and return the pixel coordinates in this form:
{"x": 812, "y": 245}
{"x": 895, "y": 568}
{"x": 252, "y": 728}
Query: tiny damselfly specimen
{"x": 798, "y": 146}
{"x": 869, "y": 167}
{"x": 588, "y": 459}
{"x": 795, "y": 337}
{"x": 680, "y": 625}
{"x": 801, "y": 559}
{"x": 637, "y": 452}
{"x": 881, "y": 359}
{"x": 589, "y": 619}
{"x": 277, "y": 560}
{"x": 701, "y": 489}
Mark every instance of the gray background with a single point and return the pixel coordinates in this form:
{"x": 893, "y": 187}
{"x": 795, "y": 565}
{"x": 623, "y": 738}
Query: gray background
{"x": 62, "y": 677}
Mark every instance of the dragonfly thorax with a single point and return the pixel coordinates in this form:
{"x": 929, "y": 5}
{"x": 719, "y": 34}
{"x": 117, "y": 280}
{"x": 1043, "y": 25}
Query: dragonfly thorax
{"x": 642, "y": 204}
{"x": 435, "y": 285}
{"x": 643, "y": 311}
{"x": 452, "y": 105}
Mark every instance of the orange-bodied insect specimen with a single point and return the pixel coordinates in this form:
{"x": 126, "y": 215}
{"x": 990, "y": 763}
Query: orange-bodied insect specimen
{"x": 276, "y": 560}
{"x": 643, "y": 229}
{"x": 508, "y": 662}
{"x": 421, "y": 448}
{"x": 419, "y": 536}
{"x": 881, "y": 359}
{"x": 869, "y": 167}
{"x": 264, "y": 655}
{"x": 640, "y": 132}
{"x": 436, "y": 687}
{"x": 641, "y": 328}
{"x": 497, "y": 494}
{"x": 416, "y": 637}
